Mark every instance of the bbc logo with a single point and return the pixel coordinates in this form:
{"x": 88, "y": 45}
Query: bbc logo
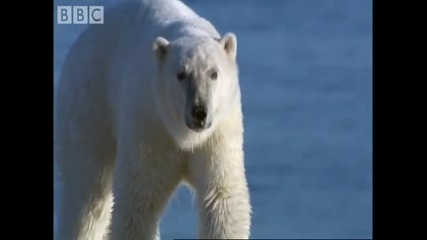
{"x": 80, "y": 15}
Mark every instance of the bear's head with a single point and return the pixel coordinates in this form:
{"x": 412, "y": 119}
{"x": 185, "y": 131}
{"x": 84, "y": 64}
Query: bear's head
{"x": 195, "y": 86}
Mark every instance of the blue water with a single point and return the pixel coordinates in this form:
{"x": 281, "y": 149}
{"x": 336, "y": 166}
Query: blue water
{"x": 306, "y": 79}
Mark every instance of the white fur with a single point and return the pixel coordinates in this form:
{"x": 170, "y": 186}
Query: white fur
{"x": 120, "y": 126}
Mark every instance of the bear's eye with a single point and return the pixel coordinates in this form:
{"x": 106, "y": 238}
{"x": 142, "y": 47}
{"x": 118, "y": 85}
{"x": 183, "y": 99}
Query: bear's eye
{"x": 181, "y": 75}
{"x": 213, "y": 74}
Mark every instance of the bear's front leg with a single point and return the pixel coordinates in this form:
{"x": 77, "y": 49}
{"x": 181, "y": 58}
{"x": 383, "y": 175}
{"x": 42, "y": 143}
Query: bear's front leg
{"x": 218, "y": 174}
{"x": 143, "y": 183}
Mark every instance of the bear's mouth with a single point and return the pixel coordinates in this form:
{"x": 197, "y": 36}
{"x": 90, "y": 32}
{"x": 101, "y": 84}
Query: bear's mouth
{"x": 198, "y": 125}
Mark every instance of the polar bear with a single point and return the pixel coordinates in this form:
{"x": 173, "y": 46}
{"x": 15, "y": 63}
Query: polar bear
{"x": 146, "y": 101}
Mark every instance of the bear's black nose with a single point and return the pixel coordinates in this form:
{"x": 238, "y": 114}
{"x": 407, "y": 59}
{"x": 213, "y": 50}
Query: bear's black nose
{"x": 199, "y": 113}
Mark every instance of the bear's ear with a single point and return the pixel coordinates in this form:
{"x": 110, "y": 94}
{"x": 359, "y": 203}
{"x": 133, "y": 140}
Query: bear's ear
{"x": 229, "y": 42}
{"x": 160, "y": 48}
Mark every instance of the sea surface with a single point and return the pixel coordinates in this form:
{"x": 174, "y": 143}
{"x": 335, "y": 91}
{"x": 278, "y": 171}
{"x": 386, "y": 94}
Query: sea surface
{"x": 306, "y": 80}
